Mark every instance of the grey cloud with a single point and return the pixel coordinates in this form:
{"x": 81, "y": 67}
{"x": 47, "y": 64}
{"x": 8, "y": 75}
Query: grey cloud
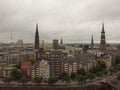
{"x": 74, "y": 20}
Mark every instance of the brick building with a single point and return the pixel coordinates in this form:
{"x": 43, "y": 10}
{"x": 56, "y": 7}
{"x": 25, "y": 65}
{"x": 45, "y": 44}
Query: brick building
{"x": 86, "y": 61}
{"x": 56, "y": 57}
{"x": 39, "y": 69}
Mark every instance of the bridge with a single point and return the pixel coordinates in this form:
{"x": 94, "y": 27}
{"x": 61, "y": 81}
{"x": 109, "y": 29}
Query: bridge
{"x": 113, "y": 81}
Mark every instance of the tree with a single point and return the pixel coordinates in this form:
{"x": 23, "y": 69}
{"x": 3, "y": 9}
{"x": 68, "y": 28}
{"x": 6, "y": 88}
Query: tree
{"x": 23, "y": 79}
{"x": 102, "y": 65}
{"x": 52, "y": 80}
{"x": 7, "y": 80}
{"x": 80, "y": 78}
{"x": 64, "y": 74}
{"x": 18, "y": 66}
{"x": 38, "y": 80}
{"x": 15, "y": 74}
{"x": 117, "y": 67}
{"x": 81, "y": 72}
{"x": 99, "y": 74}
{"x": 111, "y": 70}
{"x": 67, "y": 80}
{"x": 105, "y": 72}
{"x": 91, "y": 76}
{"x": 72, "y": 76}
{"x": 32, "y": 61}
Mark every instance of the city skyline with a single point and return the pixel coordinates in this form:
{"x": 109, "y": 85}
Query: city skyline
{"x": 74, "y": 21}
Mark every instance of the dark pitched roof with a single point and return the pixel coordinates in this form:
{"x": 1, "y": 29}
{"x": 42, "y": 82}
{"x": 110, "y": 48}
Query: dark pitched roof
{"x": 82, "y": 58}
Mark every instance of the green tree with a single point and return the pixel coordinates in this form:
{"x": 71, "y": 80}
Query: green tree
{"x": 118, "y": 65}
{"x": 102, "y": 65}
{"x": 67, "y": 80}
{"x": 72, "y": 76}
{"x": 81, "y": 72}
{"x": 64, "y": 74}
{"x": 23, "y": 79}
{"x": 52, "y": 80}
{"x": 7, "y": 80}
{"x": 37, "y": 80}
{"x": 105, "y": 72}
{"x": 80, "y": 78}
{"x": 112, "y": 70}
{"x": 15, "y": 74}
{"x": 32, "y": 61}
{"x": 99, "y": 74}
{"x": 117, "y": 68}
{"x": 18, "y": 66}
{"x": 91, "y": 76}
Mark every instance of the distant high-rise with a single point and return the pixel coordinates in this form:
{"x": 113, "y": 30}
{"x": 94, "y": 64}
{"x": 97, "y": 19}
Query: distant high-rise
{"x": 42, "y": 44}
{"x": 103, "y": 40}
{"x": 37, "y": 41}
{"x": 55, "y": 44}
{"x": 20, "y": 41}
{"x": 92, "y": 42}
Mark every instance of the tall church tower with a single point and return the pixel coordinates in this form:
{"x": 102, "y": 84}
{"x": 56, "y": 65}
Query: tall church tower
{"x": 103, "y": 40}
{"x": 92, "y": 42}
{"x": 37, "y": 41}
{"x": 36, "y": 38}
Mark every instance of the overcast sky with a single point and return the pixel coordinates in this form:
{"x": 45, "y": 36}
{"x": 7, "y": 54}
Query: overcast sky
{"x": 73, "y": 20}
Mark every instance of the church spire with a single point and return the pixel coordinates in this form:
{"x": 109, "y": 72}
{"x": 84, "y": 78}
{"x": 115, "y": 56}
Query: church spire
{"x": 103, "y": 40}
{"x": 92, "y": 42}
{"x": 37, "y": 38}
{"x": 103, "y": 31}
{"x": 37, "y": 27}
{"x": 37, "y": 41}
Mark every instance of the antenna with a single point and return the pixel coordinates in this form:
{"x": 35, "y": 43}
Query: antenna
{"x": 11, "y": 36}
